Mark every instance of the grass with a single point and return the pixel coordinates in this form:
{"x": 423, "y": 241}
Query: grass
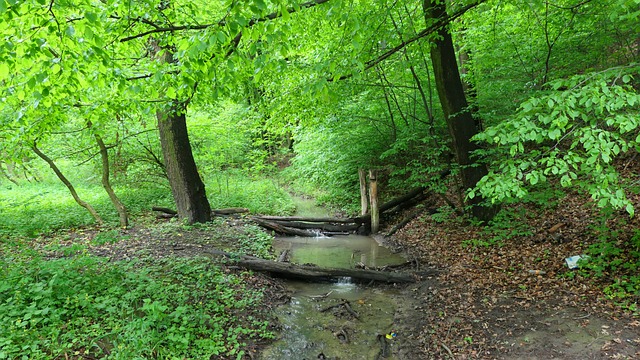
{"x": 237, "y": 189}
{"x": 35, "y": 208}
{"x": 32, "y": 209}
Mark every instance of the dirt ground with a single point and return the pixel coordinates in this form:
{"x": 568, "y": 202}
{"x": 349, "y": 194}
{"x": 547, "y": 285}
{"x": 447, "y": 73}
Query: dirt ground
{"x": 518, "y": 300}
{"x": 515, "y": 301}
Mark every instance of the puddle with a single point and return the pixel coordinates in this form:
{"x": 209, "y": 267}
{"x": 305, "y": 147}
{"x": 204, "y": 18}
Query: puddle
{"x": 337, "y": 251}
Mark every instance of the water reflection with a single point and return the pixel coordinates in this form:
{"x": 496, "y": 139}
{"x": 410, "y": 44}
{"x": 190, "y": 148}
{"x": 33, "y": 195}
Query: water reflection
{"x": 310, "y": 333}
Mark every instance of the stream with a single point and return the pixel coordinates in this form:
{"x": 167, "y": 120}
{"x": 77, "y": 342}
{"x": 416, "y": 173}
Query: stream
{"x": 362, "y": 328}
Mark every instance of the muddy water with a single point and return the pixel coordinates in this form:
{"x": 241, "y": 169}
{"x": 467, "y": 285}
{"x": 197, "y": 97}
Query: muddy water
{"x": 309, "y": 332}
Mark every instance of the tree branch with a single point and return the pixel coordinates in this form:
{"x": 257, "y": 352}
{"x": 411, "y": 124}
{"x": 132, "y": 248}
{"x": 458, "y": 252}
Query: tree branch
{"x": 272, "y": 16}
{"x": 441, "y": 22}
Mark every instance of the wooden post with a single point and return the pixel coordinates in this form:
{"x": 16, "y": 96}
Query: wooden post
{"x": 364, "y": 203}
{"x": 373, "y": 199}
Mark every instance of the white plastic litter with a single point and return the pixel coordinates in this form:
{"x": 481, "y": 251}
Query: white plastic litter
{"x": 572, "y": 262}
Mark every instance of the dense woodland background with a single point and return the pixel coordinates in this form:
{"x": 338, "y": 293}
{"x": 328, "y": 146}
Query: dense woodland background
{"x": 196, "y": 105}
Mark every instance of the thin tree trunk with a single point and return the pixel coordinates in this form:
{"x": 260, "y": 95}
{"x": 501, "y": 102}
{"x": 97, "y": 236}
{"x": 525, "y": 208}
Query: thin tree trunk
{"x": 6, "y": 175}
{"x": 364, "y": 203}
{"x": 67, "y": 183}
{"x": 186, "y": 185}
{"x": 459, "y": 119}
{"x": 373, "y": 199}
{"x": 122, "y": 210}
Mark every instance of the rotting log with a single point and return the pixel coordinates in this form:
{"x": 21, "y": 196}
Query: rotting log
{"x": 311, "y": 273}
{"x": 308, "y": 219}
{"x": 164, "y": 210}
{"x": 225, "y": 211}
{"x": 301, "y": 226}
{"x": 345, "y": 227}
{"x": 230, "y": 211}
{"x": 284, "y": 230}
{"x": 373, "y": 200}
{"x": 363, "y": 191}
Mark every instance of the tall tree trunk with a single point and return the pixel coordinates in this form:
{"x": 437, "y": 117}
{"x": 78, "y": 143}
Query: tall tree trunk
{"x": 462, "y": 126}
{"x": 186, "y": 186}
{"x": 67, "y": 183}
{"x": 122, "y": 210}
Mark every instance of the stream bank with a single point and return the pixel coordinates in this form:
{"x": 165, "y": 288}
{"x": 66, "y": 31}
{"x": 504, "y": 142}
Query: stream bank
{"x": 343, "y": 319}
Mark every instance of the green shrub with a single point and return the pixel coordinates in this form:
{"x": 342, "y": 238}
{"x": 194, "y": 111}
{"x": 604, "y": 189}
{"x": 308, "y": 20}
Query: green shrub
{"x": 87, "y": 306}
{"x": 237, "y": 189}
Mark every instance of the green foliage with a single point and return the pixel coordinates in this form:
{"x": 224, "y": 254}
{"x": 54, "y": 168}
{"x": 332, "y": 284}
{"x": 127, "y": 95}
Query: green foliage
{"x": 108, "y": 237}
{"x": 509, "y": 223}
{"x": 227, "y": 235}
{"x": 237, "y": 189}
{"x": 34, "y": 208}
{"x": 221, "y": 136}
{"x": 256, "y": 241}
{"x": 87, "y": 306}
{"x": 328, "y": 156}
{"x": 573, "y": 134}
{"x": 616, "y": 263}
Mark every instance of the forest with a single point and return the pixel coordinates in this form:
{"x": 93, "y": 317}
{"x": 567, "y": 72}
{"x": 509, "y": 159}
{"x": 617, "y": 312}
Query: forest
{"x": 138, "y": 138}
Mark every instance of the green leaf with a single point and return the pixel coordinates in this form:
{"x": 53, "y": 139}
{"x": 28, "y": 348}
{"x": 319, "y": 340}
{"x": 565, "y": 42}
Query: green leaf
{"x": 221, "y": 37}
{"x": 171, "y": 92}
{"x": 283, "y": 10}
{"x": 4, "y": 70}
{"x": 70, "y": 30}
{"x": 630, "y": 209}
{"x": 91, "y": 17}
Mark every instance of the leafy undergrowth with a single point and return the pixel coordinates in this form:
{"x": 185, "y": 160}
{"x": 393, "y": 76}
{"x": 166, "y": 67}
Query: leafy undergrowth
{"x": 503, "y": 280}
{"x": 145, "y": 292}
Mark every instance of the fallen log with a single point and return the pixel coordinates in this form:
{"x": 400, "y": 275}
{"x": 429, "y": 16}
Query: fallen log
{"x": 392, "y": 203}
{"x": 284, "y": 230}
{"x": 343, "y": 227}
{"x": 300, "y": 226}
{"x": 164, "y": 210}
{"x": 307, "y": 219}
{"x": 225, "y": 211}
{"x": 310, "y": 272}
{"x": 404, "y": 222}
{"x": 229, "y": 211}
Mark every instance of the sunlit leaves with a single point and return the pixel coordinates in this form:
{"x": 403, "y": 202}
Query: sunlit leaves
{"x": 574, "y": 134}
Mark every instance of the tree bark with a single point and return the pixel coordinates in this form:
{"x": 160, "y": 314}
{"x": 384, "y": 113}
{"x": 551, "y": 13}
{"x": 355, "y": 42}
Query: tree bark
{"x": 67, "y": 183}
{"x": 186, "y": 185}
{"x": 364, "y": 203}
{"x": 373, "y": 199}
{"x": 462, "y": 126}
{"x": 120, "y": 208}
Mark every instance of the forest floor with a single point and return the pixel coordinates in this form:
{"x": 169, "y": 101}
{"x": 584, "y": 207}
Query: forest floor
{"x": 515, "y": 298}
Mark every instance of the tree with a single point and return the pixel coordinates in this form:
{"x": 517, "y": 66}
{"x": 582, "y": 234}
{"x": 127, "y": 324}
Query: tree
{"x": 186, "y": 185}
{"x": 462, "y": 126}
{"x": 67, "y": 183}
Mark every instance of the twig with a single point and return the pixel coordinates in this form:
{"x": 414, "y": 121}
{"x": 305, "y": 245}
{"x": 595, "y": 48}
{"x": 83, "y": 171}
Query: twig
{"x": 448, "y": 350}
{"x": 331, "y": 307}
{"x": 350, "y": 310}
{"x": 582, "y": 317}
